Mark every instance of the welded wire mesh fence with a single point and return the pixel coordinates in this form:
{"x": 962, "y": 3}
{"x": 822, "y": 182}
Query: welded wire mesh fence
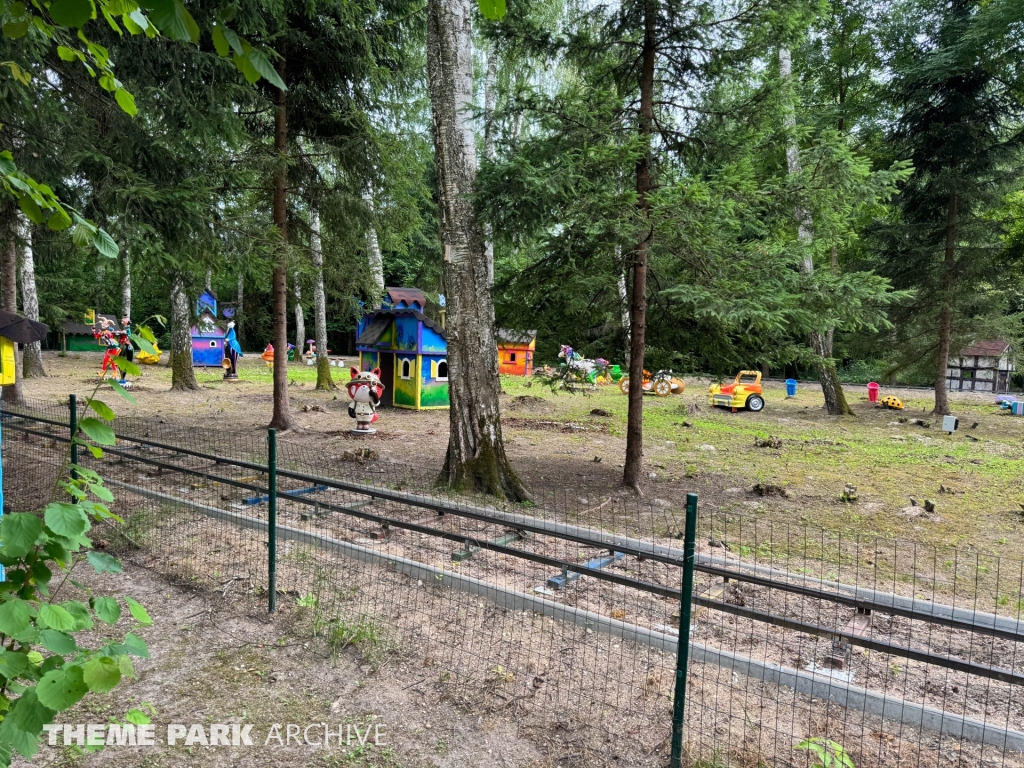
{"x": 905, "y": 655}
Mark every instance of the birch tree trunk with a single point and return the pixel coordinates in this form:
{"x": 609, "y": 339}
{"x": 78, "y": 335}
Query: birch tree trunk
{"x": 240, "y": 309}
{"x": 126, "y": 284}
{"x": 9, "y": 278}
{"x": 323, "y": 363}
{"x": 183, "y": 375}
{"x": 821, "y": 342}
{"x": 300, "y": 318}
{"x": 638, "y": 301}
{"x": 623, "y": 302}
{"x": 946, "y": 311}
{"x": 32, "y": 358}
{"x": 476, "y": 459}
{"x": 373, "y": 253}
{"x": 490, "y": 101}
{"x": 282, "y": 419}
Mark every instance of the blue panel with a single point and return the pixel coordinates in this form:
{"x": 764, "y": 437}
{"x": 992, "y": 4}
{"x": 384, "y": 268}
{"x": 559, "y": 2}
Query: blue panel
{"x": 432, "y": 341}
{"x": 406, "y": 331}
{"x": 595, "y": 564}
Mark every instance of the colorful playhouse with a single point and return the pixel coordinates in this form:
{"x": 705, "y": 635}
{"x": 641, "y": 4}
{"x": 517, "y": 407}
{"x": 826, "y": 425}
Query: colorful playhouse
{"x": 409, "y": 348}
{"x": 515, "y": 352}
{"x": 207, "y": 335}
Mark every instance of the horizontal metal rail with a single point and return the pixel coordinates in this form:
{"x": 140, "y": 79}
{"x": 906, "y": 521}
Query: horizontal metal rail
{"x": 818, "y": 684}
{"x": 475, "y": 513}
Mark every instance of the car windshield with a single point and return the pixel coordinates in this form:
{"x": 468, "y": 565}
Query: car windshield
{"x": 748, "y": 379}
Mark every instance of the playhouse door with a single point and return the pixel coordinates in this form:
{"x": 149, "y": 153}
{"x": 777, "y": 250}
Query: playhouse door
{"x": 387, "y": 378}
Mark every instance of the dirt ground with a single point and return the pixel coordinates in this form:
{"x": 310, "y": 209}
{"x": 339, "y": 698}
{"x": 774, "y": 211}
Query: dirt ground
{"x": 568, "y": 449}
{"x": 559, "y": 446}
{"x": 209, "y": 665}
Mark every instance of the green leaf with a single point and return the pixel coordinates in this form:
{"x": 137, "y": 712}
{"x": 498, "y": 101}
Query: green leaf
{"x": 234, "y": 41}
{"x": 104, "y": 563}
{"x": 106, "y": 609}
{"x": 220, "y": 42}
{"x": 66, "y": 519}
{"x": 57, "y": 642}
{"x": 72, "y": 13}
{"x": 138, "y": 612}
{"x": 146, "y": 345}
{"x": 244, "y": 65}
{"x": 19, "y": 532}
{"x": 127, "y": 366}
{"x": 123, "y": 393}
{"x": 13, "y": 664}
{"x": 59, "y": 220}
{"x": 17, "y": 10}
{"x": 66, "y": 54}
{"x": 55, "y": 617}
{"x": 62, "y": 688}
{"x": 31, "y": 209}
{"x": 264, "y": 67}
{"x": 24, "y": 723}
{"x": 492, "y": 9}
{"x": 127, "y": 103}
{"x": 101, "y": 492}
{"x": 138, "y": 717}
{"x": 101, "y": 408}
{"x": 14, "y": 617}
{"x": 111, "y": 21}
{"x": 80, "y": 613}
{"x": 172, "y": 19}
{"x": 98, "y": 431}
{"x": 95, "y": 450}
{"x": 15, "y": 29}
{"x": 135, "y": 645}
{"x": 82, "y": 235}
{"x": 101, "y": 674}
{"x": 101, "y": 241}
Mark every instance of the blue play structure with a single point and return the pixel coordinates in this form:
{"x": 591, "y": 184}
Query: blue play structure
{"x": 299, "y": 492}
{"x": 594, "y": 564}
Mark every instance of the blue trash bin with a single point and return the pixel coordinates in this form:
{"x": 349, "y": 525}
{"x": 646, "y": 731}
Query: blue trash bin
{"x": 790, "y": 387}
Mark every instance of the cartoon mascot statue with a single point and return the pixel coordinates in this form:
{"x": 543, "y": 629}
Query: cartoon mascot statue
{"x": 365, "y": 390}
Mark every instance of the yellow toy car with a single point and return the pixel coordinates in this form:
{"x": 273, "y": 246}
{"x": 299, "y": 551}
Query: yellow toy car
{"x": 744, "y": 392}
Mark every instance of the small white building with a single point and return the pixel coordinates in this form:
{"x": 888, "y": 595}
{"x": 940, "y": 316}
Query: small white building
{"x": 984, "y": 366}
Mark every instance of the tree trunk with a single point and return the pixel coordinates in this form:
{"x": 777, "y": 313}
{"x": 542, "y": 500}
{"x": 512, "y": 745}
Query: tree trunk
{"x": 638, "y": 303}
{"x": 32, "y": 358}
{"x": 209, "y": 279}
{"x": 240, "y": 309}
{"x": 9, "y": 278}
{"x": 126, "y": 284}
{"x": 300, "y": 318}
{"x": 946, "y": 312}
{"x": 624, "y": 312}
{"x": 323, "y": 363}
{"x": 282, "y": 418}
{"x": 821, "y": 342}
{"x": 183, "y": 375}
{"x": 490, "y": 101}
{"x": 476, "y": 459}
{"x": 373, "y": 253}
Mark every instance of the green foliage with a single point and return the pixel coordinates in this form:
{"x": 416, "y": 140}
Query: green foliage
{"x": 43, "y": 669}
{"x": 826, "y": 753}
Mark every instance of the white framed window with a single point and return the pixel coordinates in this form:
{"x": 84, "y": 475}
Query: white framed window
{"x": 406, "y": 369}
{"x": 442, "y": 370}
{"x": 213, "y": 345}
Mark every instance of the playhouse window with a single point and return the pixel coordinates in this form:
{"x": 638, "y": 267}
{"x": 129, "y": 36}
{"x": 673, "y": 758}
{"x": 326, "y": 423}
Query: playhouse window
{"x": 511, "y": 357}
{"x": 406, "y": 369}
{"x": 442, "y": 371}
{"x": 213, "y": 345}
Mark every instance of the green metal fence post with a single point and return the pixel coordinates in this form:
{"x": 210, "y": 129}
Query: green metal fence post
{"x": 685, "y": 611}
{"x": 73, "y": 408}
{"x": 272, "y": 518}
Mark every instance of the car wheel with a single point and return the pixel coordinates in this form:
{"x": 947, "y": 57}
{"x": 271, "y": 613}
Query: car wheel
{"x": 663, "y": 387}
{"x": 755, "y": 403}
{"x": 624, "y": 385}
